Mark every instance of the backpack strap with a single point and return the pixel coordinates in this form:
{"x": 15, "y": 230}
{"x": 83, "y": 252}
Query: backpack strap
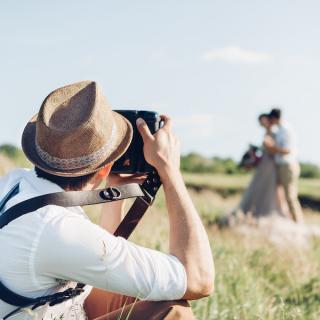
{"x": 144, "y": 193}
{"x": 22, "y": 302}
{"x": 14, "y": 191}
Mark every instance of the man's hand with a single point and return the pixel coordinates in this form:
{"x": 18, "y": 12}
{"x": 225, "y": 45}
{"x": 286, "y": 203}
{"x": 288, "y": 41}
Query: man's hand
{"x": 268, "y": 142}
{"x": 120, "y": 179}
{"x": 161, "y": 150}
{"x": 271, "y": 146}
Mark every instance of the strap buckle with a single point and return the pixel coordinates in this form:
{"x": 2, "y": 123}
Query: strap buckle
{"x": 147, "y": 199}
{"x": 111, "y": 193}
{"x": 150, "y": 187}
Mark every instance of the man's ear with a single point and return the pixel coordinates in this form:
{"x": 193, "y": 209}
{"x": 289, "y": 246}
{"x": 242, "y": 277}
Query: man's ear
{"x": 104, "y": 172}
{"x": 101, "y": 175}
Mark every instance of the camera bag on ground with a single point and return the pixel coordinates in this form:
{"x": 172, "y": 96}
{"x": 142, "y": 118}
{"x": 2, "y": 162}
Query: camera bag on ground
{"x": 145, "y": 194}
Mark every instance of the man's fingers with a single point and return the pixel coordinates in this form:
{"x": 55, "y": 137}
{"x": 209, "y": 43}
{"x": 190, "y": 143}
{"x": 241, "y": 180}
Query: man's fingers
{"x": 166, "y": 121}
{"x": 143, "y": 129}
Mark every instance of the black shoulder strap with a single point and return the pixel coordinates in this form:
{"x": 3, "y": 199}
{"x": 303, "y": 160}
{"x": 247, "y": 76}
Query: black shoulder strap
{"x": 71, "y": 199}
{"x": 9, "y": 296}
{"x": 144, "y": 193}
{"x": 14, "y": 191}
{"x": 150, "y": 187}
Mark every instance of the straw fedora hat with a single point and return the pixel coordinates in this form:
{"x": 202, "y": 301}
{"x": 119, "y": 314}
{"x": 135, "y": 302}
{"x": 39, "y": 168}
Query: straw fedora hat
{"x": 75, "y": 132}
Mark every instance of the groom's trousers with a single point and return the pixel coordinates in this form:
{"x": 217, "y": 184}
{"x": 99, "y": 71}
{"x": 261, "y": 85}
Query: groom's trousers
{"x": 288, "y": 176}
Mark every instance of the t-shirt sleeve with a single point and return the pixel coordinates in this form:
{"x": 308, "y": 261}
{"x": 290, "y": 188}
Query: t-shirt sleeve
{"x": 286, "y": 140}
{"x": 73, "y": 248}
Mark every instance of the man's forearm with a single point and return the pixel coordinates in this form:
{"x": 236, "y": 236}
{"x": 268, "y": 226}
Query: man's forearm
{"x": 276, "y": 149}
{"x": 188, "y": 238}
{"x": 111, "y": 215}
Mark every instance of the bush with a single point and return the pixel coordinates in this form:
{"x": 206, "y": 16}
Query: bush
{"x": 194, "y": 162}
{"x": 309, "y": 170}
{"x": 10, "y": 151}
{"x": 15, "y": 155}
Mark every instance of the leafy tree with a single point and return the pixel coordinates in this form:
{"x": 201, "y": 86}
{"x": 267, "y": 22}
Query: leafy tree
{"x": 15, "y": 154}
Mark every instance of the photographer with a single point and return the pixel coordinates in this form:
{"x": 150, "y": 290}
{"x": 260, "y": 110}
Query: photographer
{"x": 73, "y": 142}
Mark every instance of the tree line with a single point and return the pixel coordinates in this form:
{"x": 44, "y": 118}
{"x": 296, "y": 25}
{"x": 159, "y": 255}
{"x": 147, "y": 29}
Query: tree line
{"x": 192, "y": 162}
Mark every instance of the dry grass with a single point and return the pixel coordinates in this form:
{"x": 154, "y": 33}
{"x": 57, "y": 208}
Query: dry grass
{"x": 255, "y": 279}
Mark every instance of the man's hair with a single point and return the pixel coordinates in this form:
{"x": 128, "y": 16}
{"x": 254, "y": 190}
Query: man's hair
{"x": 263, "y": 115}
{"x": 275, "y": 114}
{"x": 66, "y": 183}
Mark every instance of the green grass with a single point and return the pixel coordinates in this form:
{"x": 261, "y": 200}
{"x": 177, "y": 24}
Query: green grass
{"x": 254, "y": 278}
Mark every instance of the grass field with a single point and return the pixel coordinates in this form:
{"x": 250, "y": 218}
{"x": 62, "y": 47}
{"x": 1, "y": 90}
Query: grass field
{"x": 235, "y": 183}
{"x": 255, "y": 279}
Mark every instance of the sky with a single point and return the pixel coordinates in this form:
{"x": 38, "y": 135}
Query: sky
{"x": 213, "y": 66}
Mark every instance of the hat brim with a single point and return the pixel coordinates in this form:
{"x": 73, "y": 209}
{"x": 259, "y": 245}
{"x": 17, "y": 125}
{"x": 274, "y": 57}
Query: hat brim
{"x": 123, "y": 140}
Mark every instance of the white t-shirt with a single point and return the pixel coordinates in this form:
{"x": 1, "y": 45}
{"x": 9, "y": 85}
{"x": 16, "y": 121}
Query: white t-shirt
{"x": 285, "y": 138}
{"x": 47, "y": 250}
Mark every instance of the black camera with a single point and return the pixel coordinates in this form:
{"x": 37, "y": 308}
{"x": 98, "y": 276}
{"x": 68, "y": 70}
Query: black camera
{"x": 133, "y": 160}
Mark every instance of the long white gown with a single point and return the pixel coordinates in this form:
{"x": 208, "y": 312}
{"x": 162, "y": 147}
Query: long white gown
{"x": 260, "y": 197}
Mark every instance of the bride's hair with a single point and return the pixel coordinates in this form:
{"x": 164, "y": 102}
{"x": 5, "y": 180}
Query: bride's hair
{"x": 263, "y": 115}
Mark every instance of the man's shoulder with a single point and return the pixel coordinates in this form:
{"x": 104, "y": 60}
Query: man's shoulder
{"x": 68, "y": 230}
{"x": 52, "y": 214}
{"x": 286, "y": 126}
{"x": 51, "y": 218}
{"x": 285, "y": 129}
{"x": 61, "y": 225}
{"x": 11, "y": 178}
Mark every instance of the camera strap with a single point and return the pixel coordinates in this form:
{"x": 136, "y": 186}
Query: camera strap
{"x": 144, "y": 194}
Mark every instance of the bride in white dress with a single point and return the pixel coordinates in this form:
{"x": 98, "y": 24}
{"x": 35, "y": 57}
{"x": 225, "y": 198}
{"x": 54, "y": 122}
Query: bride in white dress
{"x": 261, "y": 197}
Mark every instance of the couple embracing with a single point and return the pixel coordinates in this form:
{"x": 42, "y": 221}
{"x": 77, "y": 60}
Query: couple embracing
{"x": 274, "y": 187}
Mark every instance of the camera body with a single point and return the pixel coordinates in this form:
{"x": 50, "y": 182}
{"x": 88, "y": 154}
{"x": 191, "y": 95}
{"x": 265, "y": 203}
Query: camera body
{"x": 133, "y": 161}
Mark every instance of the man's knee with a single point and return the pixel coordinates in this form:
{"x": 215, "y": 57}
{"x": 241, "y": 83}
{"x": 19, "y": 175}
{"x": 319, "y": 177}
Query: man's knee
{"x": 180, "y": 311}
{"x": 162, "y": 310}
